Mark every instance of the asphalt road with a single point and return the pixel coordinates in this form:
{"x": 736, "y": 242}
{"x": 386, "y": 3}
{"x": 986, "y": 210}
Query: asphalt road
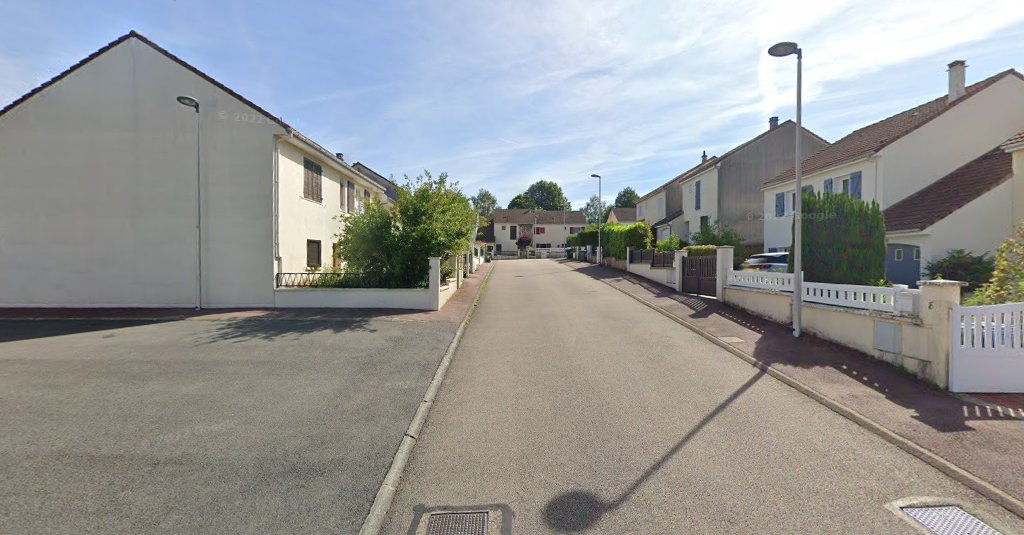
{"x": 583, "y": 411}
{"x": 201, "y": 426}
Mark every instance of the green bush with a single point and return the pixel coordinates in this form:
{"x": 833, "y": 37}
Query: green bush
{"x": 960, "y": 265}
{"x": 671, "y": 243}
{"x": 718, "y": 234}
{"x": 843, "y": 240}
{"x": 1007, "y": 283}
{"x": 615, "y": 238}
{"x": 701, "y": 250}
{"x": 391, "y": 247}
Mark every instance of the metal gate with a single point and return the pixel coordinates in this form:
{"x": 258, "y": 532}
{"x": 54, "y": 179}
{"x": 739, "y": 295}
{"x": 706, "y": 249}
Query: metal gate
{"x": 987, "y": 348}
{"x": 699, "y": 274}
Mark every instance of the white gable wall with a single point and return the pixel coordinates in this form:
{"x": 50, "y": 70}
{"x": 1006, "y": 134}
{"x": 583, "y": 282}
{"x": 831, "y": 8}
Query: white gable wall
{"x": 99, "y": 203}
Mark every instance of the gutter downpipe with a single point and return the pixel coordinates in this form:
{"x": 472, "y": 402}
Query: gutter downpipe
{"x": 276, "y": 208}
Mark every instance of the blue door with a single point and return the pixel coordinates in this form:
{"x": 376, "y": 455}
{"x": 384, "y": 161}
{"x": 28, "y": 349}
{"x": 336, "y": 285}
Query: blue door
{"x": 903, "y": 264}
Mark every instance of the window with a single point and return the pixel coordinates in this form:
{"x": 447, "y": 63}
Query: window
{"x": 512, "y": 232}
{"x": 543, "y": 245}
{"x": 705, "y": 221}
{"x": 773, "y": 249}
{"x": 897, "y": 254}
{"x": 503, "y": 227}
{"x": 851, "y": 186}
{"x": 792, "y": 202}
{"x": 828, "y": 185}
{"x": 366, "y": 194}
{"x": 540, "y": 230}
{"x": 696, "y": 195}
{"x": 640, "y": 211}
{"x": 575, "y": 230}
{"x": 350, "y": 194}
{"x": 312, "y": 180}
{"x": 780, "y": 204}
{"x": 313, "y": 253}
{"x": 917, "y": 253}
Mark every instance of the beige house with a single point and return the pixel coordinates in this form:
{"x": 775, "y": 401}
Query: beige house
{"x": 938, "y": 170}
{"x": 546, "y": 229}
{"x": 134, "y": 179}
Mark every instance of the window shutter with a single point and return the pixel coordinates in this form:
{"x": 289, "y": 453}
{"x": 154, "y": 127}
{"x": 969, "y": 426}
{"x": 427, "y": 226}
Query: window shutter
{"x": 855, "y": 185}
{"x": 313, "y": 253}
{"x": 351, "y": 196}
{"x": 828, "y": 185}
{"x": 780, "y": 204}
{"x": 696, "y": 196}
{"x": 312, "y": 178}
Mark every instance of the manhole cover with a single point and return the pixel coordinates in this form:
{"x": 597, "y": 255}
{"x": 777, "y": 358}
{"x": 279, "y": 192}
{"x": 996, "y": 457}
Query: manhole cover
{"x": 949, "y": 520}
{"x": 457, "y": 524}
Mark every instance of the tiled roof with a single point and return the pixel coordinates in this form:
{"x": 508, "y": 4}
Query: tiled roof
{"x": 541, "y": 217}
{"x": 873, "y": 138}
{"x": 950, "y": 193}
{"x": 1015, "y": 140}
{"x": 624, "y": 214}
{"x": 670, "y": 218}
{"x": 389, "y": 187}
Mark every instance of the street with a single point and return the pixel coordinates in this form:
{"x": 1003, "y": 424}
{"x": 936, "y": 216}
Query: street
{"x": 577, "y": 409}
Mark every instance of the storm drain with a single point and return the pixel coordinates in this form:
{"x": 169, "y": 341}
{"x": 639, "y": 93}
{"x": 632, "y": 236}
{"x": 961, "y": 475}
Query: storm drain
{"x": 949, "y": 520}
{"x": 457, "y": 524}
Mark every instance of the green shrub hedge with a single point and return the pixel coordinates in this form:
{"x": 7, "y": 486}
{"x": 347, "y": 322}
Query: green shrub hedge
{"x": 701, "y": 250}
{"x": 615, "y": 238}
{"x": 843, "y": 240}
{"x": 669, "y": 244}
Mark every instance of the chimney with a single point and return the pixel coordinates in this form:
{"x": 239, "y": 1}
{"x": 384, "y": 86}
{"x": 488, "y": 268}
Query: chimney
{"x": 340, "y": 156}
{"x": 957, "y": 79}
{"x": 704, "y": 157}
{"x": 773, "y": 123}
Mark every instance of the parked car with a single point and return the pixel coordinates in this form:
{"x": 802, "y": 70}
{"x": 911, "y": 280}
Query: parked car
{"x": 776, "y": 262}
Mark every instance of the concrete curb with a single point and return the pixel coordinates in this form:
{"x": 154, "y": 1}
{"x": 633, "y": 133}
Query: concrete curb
{"x": 958, "y": 474}
{"x": 382, "y": 501}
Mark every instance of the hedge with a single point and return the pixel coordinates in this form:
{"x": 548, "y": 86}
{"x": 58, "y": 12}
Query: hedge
{"x": 701, "y": 250}
{"x": 843, "y": 240}
{"x": 615, "y": 238}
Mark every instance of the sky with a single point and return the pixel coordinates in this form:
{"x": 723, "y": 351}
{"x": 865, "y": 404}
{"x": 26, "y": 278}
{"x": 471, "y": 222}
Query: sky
{"x": 501, "y": 93}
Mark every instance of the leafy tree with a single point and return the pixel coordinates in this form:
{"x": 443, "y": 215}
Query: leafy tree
{"x": 484, "y": 203}
{"x": 522, "y": 202}
{"x": 548, "y": 195}
{"x": 843, "y": 240}
{"x": 594, "y": 209}
{"x": 963, "y": 266}
{"x": 1007, "y": 283}
{"x": 391, "y": 247}
{"x": 627, "y": 198}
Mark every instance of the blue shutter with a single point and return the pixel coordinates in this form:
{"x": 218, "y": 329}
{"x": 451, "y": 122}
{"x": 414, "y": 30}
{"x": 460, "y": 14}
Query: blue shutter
{"x": 828, "y": 185}
{"x": 696, "y": 201}
{"x": 780, "y": 204}
{"x": 855, "y": 185}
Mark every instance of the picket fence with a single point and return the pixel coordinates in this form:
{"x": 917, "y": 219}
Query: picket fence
{"x": 878, "y": 298}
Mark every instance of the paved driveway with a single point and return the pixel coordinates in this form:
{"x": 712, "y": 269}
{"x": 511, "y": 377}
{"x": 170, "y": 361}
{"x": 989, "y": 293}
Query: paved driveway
{"x": 205, "y": 426}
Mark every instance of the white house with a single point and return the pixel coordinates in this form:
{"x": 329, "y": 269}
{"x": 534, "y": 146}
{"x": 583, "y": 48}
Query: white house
{"x": 547, "y": 228}
{"x": 119, "y": 193}
{"x": 908, "y": 154}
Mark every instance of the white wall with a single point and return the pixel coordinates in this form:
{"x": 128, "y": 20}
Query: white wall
{"x": 978, "y": 227}
{"x": 653, "y": 208}
{"x": 965, "y": 132}
{"x": 708, "y": 202}
{"x": 99, "y": 195}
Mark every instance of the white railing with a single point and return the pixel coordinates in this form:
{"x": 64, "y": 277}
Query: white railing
{"x": 894, "y": 300}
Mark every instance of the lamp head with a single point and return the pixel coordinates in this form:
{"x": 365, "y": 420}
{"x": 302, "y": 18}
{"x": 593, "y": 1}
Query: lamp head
{"x": 783, "y": 49}
{"x": 191, "y": 102}
{"x": 595, "y": 176}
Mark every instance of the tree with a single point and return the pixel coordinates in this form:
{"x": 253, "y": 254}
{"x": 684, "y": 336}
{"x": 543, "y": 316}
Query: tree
{"x": 484, "y": 202}
{"x": 843, "y": 240}
{"x": 719, "y": 234}
{"x": 627, "y": 198}
{"x": 594, "y": 209}
{"x": 524, "y": 240}
{"x": 522, "y": 202}
{"x": 960, "y": 265}
{"x": 546, "y": 195}
{"x": 390, "y": 248}
{"x": 1007, "y": 283}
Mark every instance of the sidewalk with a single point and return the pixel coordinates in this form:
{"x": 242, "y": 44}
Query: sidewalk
{"x": 453, "y": 311}
{"x": 983, "y": 439}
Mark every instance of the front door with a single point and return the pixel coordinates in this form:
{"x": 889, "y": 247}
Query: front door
{"x": 903, "y": 264}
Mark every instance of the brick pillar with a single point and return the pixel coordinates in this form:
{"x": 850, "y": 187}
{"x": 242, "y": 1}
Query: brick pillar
{"x": 937, "y": 300}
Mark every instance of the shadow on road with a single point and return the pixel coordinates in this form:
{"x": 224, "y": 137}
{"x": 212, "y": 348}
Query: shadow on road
{"x": 273, "y": 329}
{"x": 18, "y": 330}
{"x": 578, "y": 510}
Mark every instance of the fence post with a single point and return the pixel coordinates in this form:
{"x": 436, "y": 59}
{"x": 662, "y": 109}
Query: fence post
{"x": 937, "y": 300}
{"x": 600, "y": 255}
{"x": 434, "y": 284}
{"x": 629, "y": 257}
{"x": 724, "y": 254}
{"x": 680, "y": 268}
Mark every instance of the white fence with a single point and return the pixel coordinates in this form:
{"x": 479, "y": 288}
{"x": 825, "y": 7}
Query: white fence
{"x": 897, "y": 299}
{"x": 987, "y": 348}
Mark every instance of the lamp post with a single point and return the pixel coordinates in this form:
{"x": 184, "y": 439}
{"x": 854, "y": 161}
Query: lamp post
{"x": 780, "y": 50}
{"x": 600, "y": 219}
{"x": 191, "y": 102}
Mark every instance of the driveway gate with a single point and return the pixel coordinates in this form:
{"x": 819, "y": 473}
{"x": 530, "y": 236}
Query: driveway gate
{"x": 699, "y": 274}
{"x": 987, "y": 348}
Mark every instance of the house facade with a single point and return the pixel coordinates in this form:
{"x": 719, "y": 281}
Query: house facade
{"x": 547, "y": 228}
{"x": 622, "y": 216}
{"x": 903, "y": 155}
{"x": 119, "y": 194}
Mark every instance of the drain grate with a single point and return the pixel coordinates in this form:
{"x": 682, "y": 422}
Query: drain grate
{"x": 457, "y": 524}
{"x": 949, "y": 520}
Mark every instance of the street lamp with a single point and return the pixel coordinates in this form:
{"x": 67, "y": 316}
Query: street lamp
{"x": 191, "y": 102}
{"x": 780, "y": 50}
{"x": 600, "y": 220}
